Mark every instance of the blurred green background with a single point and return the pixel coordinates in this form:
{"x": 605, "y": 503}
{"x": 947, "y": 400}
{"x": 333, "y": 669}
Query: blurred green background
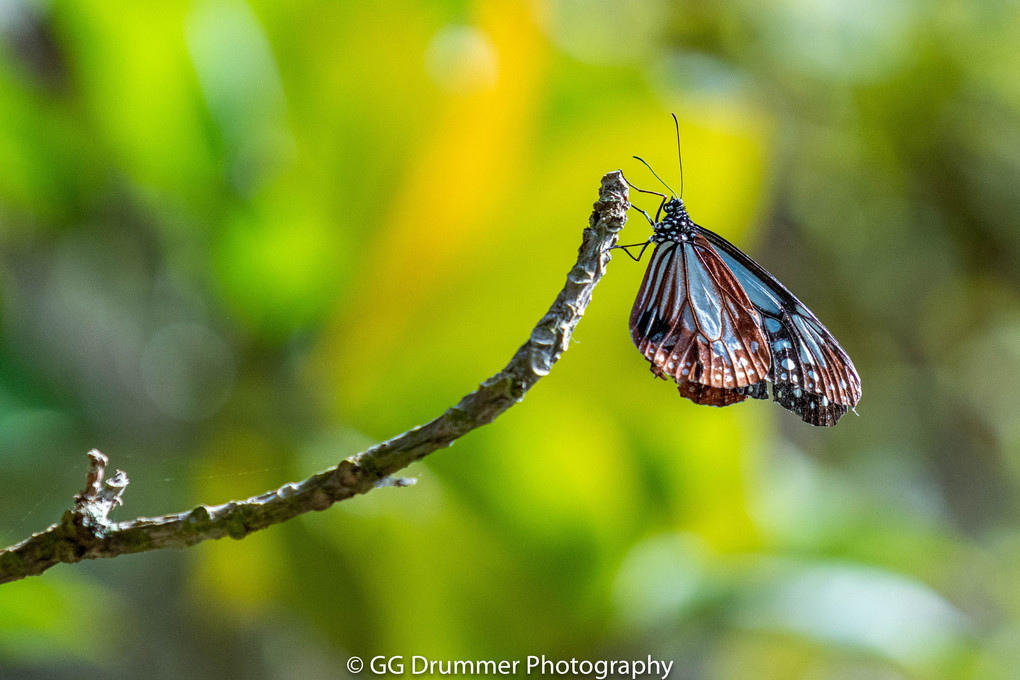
{"x": 242, "y": 240}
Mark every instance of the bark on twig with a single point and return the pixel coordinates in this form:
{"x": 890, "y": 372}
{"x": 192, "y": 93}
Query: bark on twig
{"x": 84, "y": 532}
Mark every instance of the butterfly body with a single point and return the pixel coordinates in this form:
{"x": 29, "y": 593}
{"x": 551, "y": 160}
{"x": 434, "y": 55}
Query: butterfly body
{"x": 717, "y": 323}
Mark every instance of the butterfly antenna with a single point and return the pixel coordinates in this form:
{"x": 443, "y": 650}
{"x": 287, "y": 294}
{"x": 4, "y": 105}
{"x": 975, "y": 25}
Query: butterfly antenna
{"x": 679, "y": 155}
{"x": 656, "y": 176}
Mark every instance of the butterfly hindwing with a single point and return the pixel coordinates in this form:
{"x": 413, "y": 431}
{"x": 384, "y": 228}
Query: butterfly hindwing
{"x": 695, "y": 323}
{"x": 811, "y": 374}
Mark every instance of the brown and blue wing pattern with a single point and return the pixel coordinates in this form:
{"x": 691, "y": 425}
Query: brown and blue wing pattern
{"x": 695, "y": 324}
{"x": 811, "y": 374}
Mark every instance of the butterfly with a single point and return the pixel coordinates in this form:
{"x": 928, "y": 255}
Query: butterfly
{"x": 722, "y": 327}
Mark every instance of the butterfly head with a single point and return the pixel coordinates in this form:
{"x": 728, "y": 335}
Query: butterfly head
{"x": 674, "y": 207}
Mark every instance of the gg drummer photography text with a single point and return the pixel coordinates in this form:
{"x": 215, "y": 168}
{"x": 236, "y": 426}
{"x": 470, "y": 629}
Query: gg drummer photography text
{"x": 599, "y": 669}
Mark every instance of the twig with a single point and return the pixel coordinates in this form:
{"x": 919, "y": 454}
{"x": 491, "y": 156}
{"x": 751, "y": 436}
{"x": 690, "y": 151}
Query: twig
{"x": 84, "y": 532}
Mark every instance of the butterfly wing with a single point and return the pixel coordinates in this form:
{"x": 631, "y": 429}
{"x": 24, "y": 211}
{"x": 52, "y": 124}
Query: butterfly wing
{"x": 695, "y": 324}
{"x": 811, "y": 374}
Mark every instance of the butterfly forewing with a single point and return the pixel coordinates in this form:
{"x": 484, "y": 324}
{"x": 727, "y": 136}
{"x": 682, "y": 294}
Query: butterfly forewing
{"x": 695, "y": 323}
{"x": 811, "y": 374}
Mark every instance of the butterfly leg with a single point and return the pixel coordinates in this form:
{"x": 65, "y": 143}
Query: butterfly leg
{"x": 634, "y": 245}
{"x": 647, "y": 216}
{"x": 658, "y": 213}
